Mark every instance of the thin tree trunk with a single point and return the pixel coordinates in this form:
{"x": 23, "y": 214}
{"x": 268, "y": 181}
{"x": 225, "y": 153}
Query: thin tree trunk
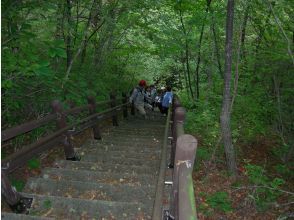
{"x": 185, "y": 74}
{"x": 225, "y": 114}
{"x": 243, "y": 31}
{"x": 240, "y": 52}
{"x": 280, "y": 119}
{"x": 199, "y": 49}
{"x": 282, "y": 31}
{"x": 68, "y": 34}
{"x": 83, "y": 44}
{"x": 187, "y": 54}
{"x": 259, "y": 40}
{"x": 218, "y": 58}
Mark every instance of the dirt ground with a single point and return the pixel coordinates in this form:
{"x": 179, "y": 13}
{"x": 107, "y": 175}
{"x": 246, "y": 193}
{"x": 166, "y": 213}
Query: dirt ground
{"x": 211, "y": 177}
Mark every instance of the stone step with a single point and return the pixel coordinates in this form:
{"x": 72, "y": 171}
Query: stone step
{"x": 152, "y": 163}
{"x": 118, "y": 148}
{"x": 137, "y": 139}
{"x": 91, "y": 191}
{"x": 141, "y": 126}
{"x": 128, "y": 135}
{"x": 82, "y": 165}
{"x": 127, "y": 153}
{"x": 112, "y": 178}
{"x": 126, "y": 143}
{"x": 76, "y": 209}
{"x": 136, "y": 130}
{"x": 143, "y": 144}
{"x": 13, "y": 216}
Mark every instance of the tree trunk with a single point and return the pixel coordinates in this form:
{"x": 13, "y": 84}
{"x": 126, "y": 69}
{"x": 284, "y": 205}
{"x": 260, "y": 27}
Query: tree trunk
{"x": 216, "y": 46}
{"x": 225, "y": 114}
{"x": 184, "y": 73}
{"x": 199, "y": 49}
{"x": 187, "y": 54}
{"x": 68, "y": 34}
{"x": 243, "y": 31}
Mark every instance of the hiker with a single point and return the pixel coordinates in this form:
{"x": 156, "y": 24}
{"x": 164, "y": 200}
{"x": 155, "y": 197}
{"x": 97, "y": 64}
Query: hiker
{"x": 159, "y": 98}
{"x": 139, "y": 98}
{"x": 153, "y": 94}
{"x": 167, "y": 100}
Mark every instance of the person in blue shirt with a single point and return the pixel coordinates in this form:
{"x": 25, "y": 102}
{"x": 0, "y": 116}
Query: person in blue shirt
{"x": 167, "y": 100}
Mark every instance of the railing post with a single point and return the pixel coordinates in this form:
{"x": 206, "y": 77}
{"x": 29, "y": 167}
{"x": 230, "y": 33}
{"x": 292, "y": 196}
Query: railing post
{"x": 178, "y": 116}
{"x": 61, "y": 123}
{"x": 92, "y": 110}
{"x": 132, "y": 108}
{"x": 177, "y": 130}
{"x": 114, "y": 114}
{"x": 184, "y": 163}
{"x": 125, "y": 108}
{"x": 17, "y": 202}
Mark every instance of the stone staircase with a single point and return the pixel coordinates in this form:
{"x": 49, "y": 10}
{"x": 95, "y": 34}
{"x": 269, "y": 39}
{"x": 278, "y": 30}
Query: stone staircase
{"x": 115, "y": 179}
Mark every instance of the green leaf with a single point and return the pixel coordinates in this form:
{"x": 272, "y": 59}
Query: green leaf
{"x": 34, "y": 163}
{"x": 43, "y": 70}
{"x": 7, "y": 84}
{"x": 44, "y": 63}
{"x": 60, "y": 52}
{"x": 52, "y": 52}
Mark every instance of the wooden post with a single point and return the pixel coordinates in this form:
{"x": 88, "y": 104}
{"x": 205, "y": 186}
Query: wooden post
{"x": 184, "y": 161}
{"x": 17, "y": 202}
{"x": 113, "y": 104}
{"x": 61, "y": 123}
{"x": 10, "y": 195}
{"x": 132, "y": 108}
{"x": 92, "y": 110}
{"x": 125, "y": 108}
{"x": 178, "y": 119}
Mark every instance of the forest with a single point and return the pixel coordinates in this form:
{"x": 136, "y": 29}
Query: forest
{"x": 230, "y": 62}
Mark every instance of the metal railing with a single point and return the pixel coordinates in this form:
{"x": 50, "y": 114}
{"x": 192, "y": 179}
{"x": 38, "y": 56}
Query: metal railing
{"x": 63, "y": 135}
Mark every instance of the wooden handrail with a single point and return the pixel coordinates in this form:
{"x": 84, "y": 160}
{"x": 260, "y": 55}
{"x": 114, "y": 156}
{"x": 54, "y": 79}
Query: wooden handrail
{"x": 63, "y": 134}
{"x": 26, "y": 127}
{"x": 183, "y": 156}
{"x": 157, "y": 207}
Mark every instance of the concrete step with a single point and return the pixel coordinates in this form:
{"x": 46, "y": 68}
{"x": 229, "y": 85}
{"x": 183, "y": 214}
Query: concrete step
{"x": 128, "y": 135}
{"x": 137, "y": 139}
{"x": 118, "y": 148}
{"x": 82, "y": 165}
{"x": 136, "y": 130}
{"x": 76, "y": 209}
{"x": 13, "y": 216}
{"x": 91, "y": 191}
{"x": 127, "y": 153}
{"x": 120, "y": 144}
{"x": 108, "y": 159}
{"x": 112, "y": 178}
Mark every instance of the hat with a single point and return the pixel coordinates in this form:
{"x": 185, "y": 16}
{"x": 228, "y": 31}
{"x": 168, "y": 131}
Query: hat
{"x": 142, "y": 82}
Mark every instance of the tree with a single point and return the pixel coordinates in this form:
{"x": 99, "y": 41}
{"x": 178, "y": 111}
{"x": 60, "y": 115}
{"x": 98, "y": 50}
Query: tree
{"x": 225, "y": 117}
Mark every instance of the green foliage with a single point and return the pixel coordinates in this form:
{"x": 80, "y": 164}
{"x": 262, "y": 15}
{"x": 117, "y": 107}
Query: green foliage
{"x": 18, "y": 184}
{"x": 266, "y": 191}
{"x": 220, "y": 201}
{"x": 284, "y": 171}
{"x": 47, "y": 204}
{"x": 34, "y": 163}
{"x": 280, "y": 151}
